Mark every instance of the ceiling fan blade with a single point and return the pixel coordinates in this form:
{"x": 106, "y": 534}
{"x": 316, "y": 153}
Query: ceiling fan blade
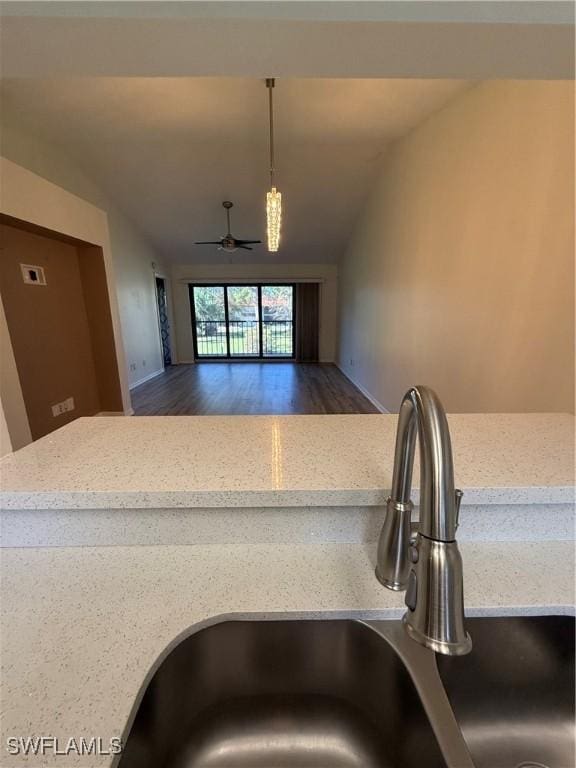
{"x": 207, "y": 242}
{"x": 248, "y": 242}
{"x": 244, "y": 247}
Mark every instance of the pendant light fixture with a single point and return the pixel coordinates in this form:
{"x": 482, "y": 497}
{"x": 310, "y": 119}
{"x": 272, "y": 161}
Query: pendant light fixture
{"x": 273, "y": 198}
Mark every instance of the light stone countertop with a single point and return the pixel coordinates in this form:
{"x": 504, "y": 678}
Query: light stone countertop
{"x": 82, "y": 627}
{"x": 255, "y": 461}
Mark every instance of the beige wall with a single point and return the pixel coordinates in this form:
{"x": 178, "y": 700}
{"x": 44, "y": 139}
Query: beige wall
{"x": 30, "y": 198}
{"x": 326, "y": 274}
{"x": 101, "y": 326}
{"x": 15, "y": 429}
{"x": 5, "y": 439}
{"x": 132, "y": 255}
{"x": 460, "y": 273}
{"x": 48, "y": 328}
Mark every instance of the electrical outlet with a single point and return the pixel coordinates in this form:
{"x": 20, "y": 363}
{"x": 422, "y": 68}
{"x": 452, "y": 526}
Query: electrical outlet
{"x": 64, "y": 407}
{"x": 132, "y": 366}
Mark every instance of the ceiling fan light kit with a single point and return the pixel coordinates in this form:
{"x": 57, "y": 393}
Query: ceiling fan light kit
{"x": 273, "y": 197}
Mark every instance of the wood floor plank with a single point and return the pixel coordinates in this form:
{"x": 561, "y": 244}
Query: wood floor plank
{"x": 249, "y": 388}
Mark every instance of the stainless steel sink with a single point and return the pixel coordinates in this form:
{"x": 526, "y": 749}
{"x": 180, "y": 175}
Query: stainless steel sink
{"x": 513, "y": 696}
{"x": 343, "y": 694}
{"x": 281, "y": 694}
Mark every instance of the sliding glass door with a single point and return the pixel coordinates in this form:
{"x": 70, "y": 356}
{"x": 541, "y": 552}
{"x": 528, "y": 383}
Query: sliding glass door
{"x": 277, "y": 303}
{"x": 211, "y": 334}
{"x": 242, "y": 321}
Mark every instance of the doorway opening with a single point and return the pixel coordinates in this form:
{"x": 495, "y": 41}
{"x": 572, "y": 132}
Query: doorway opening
{"x": 237, "y": 321}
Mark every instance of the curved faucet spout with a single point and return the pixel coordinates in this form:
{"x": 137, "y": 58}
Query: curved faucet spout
{"x": 422, "y": 413}
{"x": 428, "y": 566}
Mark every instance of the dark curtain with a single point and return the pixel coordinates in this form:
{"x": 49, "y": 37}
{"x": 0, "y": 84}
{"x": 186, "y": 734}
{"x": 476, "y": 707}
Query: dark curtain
{"x": 307, "y": 322}
{"x": 163, "y": 318}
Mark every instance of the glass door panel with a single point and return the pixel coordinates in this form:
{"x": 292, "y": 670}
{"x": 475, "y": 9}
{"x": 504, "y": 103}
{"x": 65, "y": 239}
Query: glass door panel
{"x": 210, "y": 321}
{"x": 243, "y": 320}
{"x": 277, "y": 320}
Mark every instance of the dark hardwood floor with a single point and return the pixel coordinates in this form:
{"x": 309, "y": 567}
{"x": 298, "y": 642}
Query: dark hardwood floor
{"x": 249, "y": 388}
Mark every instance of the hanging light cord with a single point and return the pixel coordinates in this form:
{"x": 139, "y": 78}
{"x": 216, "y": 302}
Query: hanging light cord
{"x": 270, "y": 82}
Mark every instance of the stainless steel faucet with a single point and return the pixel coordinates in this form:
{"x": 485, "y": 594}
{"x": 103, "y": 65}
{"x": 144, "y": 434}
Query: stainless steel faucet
{"x": 428, "y": 566}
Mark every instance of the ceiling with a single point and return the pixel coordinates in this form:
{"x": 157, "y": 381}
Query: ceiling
{"x": 468, "y": 39}
{"x": 170, "y": 150}
{"x": 139, "y": 94}
{"x": 506, "y": 11}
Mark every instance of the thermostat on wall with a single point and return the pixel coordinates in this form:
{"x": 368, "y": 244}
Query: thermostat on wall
{"x": 33, "y": 275}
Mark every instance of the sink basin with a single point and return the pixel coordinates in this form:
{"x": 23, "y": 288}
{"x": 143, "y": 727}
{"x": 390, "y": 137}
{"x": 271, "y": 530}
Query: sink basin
{"x": 513, "y": 696}
{"x": 281, "y": 694}
{"x": 349, "y": 694}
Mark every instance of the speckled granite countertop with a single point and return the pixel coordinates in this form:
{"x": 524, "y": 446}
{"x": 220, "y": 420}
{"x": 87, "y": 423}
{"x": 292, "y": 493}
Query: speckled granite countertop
{"x": 249, "y": 461}
{"x": 82, "y": 627}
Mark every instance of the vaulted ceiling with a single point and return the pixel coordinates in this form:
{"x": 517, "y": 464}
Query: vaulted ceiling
{"x": 170, "y": 150}
{"x": 140, "y": 96}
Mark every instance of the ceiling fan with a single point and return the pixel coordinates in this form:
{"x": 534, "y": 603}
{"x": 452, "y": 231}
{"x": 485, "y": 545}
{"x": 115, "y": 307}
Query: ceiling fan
{"x": 228, "y": 242}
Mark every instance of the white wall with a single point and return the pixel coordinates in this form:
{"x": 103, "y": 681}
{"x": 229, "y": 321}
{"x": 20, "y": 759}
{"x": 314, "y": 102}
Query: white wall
{"x": 131, "y": 253}
{"x": 183, "y": 274}
{"x": 460, "y": 273}
{"x": 136, "y": 289}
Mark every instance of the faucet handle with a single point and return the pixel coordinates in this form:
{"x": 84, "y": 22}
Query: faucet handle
{"x": 458, "y": 494}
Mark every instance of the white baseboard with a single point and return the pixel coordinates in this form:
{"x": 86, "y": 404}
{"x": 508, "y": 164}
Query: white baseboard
{"x": 146, "y": 378}
{"x": 364, "y": 391}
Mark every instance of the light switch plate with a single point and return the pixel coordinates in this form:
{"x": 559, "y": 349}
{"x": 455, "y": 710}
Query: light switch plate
{"x": 33, "y": 275}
